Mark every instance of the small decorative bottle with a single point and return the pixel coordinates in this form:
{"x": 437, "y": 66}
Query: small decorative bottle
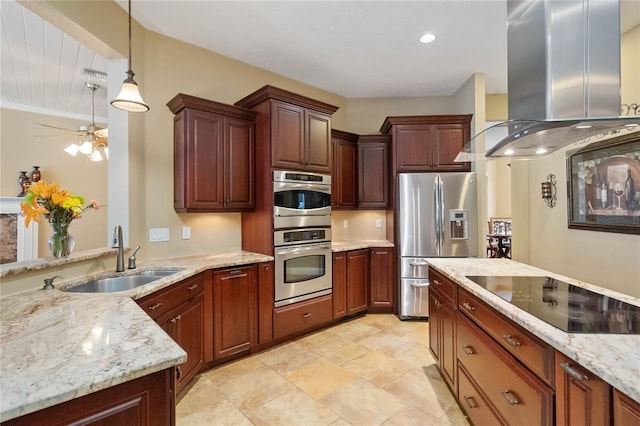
{"x": 36, "y": 174}
{"x": 24, "y": 182}
{"x": 603, "y": 194}
{"x": 629, "y": 192}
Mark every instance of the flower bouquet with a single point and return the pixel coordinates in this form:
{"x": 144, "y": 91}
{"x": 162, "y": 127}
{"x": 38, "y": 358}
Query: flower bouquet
{"x": 59, "y": 207}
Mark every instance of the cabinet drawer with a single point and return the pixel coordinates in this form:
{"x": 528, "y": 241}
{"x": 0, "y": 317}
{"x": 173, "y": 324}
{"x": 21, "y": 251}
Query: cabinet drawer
{"x": 444, "y": 285}
{"x": 530, "y": 350}
{"x": 301, "y": 316}
{"x": 473, "y": 402}
{"x": 166, "y": 299}
{"x": 516, "y": 394}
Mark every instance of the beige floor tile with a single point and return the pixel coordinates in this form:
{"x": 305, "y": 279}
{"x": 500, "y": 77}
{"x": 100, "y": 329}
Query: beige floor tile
{"x": 222, "y": 414}
{"x": 224, "y": 373}
{"x": 413, "y": 417}
{"x": 455, "y": 417}
{"x": 353, "y": 330}
{"x": 417, "y": 356}
{"x": 391, "y": 324}
{"x": 202, "y": 393}
{"x": 294, "y": 408}
{"x": 419, "y": 335}
{"x": 387, "y": 343}
{"x": 287, "y": 357}
{"x": 320, "y": 377}
{"x": 332, "y": 347}
{"x": 362, "y": 403}
{"x": 252, "y": 389}
{"x": 376, "y": 367}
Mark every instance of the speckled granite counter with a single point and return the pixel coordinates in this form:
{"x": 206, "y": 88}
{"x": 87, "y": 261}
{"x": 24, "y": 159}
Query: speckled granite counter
{"x": 57, "y": 346}
{"x": 613, "y": 357}
{"x": 337, "y": 246}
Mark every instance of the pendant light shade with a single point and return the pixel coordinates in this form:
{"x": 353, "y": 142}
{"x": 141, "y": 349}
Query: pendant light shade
{"x": 129, "y": 98}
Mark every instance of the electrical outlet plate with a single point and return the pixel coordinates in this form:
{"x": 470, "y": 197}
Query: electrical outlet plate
{"x": 158, "y": 234}
{"x": 345, "y": 224}
{"x": 186, "y": 232}
{"x": 378, "y": 223}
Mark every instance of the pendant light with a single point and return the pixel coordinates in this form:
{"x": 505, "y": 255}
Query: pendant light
{"x": 129, "y": 98}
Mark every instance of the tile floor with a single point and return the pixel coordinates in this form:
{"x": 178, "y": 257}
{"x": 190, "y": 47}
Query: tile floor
{"x": 371, "y": 370}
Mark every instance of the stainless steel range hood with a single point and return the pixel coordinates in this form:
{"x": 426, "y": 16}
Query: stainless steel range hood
{"x": 563, "y": 75}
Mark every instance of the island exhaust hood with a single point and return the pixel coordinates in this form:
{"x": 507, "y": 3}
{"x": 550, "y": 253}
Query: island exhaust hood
{"x": 563, "y": 76}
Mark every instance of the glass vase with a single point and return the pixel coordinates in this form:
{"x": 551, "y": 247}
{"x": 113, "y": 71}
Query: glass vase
{"x": 61, "y": 243}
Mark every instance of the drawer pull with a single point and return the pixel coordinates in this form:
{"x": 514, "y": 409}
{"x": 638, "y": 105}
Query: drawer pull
{"x": 468, "y": 307}
{"x": 154, "y": 307}
{"x": 192, "y": 287}
{"x": 471, "y": 403}
{"x": 174, "y": 320}
{"x": 573, "y": 372}
{"x": 230, "y": 277}
{"x": 511, "y": 340}
{"x": 468, "y": 350}
{"x": 436, "y": 282}
{"x": 178, "y": 373}
{"x": 510, "y": 397}
{"x": 307, "y": 315}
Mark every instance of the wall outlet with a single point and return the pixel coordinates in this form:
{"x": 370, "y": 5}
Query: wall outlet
{"x": 158, "y": 234}
{"x": 378, "y": 223}
{"x": 186, "y": 232}
{"x": 345, "y": 224}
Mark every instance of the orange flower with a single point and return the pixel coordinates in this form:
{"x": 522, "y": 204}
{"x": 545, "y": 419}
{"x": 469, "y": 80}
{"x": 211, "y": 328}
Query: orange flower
{"x": 32, "y": 212}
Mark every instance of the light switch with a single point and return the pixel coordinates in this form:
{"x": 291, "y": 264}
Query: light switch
{"x": 378, "y": 223}
{"x": 186, "y": 232}
{"x": 158, "y": 234}
{"x": 345, "y": 224}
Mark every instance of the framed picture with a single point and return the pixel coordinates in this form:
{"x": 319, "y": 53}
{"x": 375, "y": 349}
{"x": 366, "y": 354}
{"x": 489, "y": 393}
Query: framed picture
{"x": 604, "y": 186}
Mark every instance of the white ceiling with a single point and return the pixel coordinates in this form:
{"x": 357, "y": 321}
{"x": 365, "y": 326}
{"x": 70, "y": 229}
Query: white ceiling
{"x": 351, "y": 48}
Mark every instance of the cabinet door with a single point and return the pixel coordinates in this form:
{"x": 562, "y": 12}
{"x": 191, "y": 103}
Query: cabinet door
{"x": 381, "y": 279}
{"x": 448, "y": 141}
{"x": 435, "y": 318}
{"x": 266, "y": 300}
{"x": 287, "y": 135}
{"x": 189, "y": 334}
{"x": 339, "y": 272}
{"x": 626, "y": 411}
{"x": 204, "y": 171}
{"x": 234, "y": 311}
{"x": 582, "y": 398}
{"x": 317, "y": 142}
{"x": 343, "y": 188}
{"x": 373, "y": 176}
{"x": 239, "y": 179}
{"x": 447, "y": 326}
{"x": 412, "y": 147}
{"x": 357, "y": 281}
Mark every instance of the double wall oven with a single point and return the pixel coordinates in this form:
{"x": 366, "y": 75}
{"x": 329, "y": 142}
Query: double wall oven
{"x": 302, "y": 236}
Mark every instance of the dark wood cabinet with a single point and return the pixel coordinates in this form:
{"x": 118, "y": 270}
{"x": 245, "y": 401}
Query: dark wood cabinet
{"x": 302, "y": 316}
{"x": 382, "y": 279}
{"x": 146, "y": 401}
{"x": 582, "y": 398}
{"x": 428, "y": 143}
{"x": 626, "y": 411}
{"x": 180, "y": 310}
{"x": 344, "y": 195}
{"x": 235, "y": 299}
{"x": 357, "y": 281}
{"x": 214, "y": 148}
{"x": 339, "y": 271}
{"x": 373, "y": 172}
{"x": 266, "y": 300}
{"x": 297, "y": 129}
{"x": 442, "y": 326}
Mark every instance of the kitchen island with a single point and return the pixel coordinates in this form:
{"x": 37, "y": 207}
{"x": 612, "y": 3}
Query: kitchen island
{"x": 487, "y": 326}
{"x": 58, "y": 346}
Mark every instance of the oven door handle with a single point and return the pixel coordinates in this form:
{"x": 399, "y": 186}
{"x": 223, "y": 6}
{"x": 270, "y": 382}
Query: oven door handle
{"x": 286, "y": 186}
{"x": 302, "y": 249}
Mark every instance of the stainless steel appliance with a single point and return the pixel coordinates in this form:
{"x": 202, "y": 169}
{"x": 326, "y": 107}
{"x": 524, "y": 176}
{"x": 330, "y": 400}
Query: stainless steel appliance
{"x": 436, "y": 218}
{"x": 301, "y": 199}
{"x": 568, "y": 307}
{"x": 302, "y": 264}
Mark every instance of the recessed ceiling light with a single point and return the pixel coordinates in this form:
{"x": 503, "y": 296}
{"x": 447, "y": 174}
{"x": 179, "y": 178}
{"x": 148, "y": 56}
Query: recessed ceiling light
{"x": 509, "y": 152}
{"x": 541, "y": 150}
{"x": 427, "y": 38}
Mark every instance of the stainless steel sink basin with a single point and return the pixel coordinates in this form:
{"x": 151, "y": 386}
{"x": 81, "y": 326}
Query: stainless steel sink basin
{"x": 120, "y": 283}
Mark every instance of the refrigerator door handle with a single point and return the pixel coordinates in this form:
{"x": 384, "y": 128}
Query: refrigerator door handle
{"x": 420, "y": 285}
{"x": 439, "y": 206}
{"x": 436, "y": 218}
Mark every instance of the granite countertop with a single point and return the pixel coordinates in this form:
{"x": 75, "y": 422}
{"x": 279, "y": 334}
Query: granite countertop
{"x": 57, "y": 346}
{"x": 345, "y": 245}
{"x": 613, "y": 357}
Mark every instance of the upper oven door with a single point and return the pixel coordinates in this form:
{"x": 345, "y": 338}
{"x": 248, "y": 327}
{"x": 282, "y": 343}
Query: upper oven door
{"x": 301, "y": 199}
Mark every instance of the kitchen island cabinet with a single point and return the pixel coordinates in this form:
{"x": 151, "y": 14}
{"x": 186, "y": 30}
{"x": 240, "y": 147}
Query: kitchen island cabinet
{"x": 626, "y": 411}
{"x": 443, "y": 299}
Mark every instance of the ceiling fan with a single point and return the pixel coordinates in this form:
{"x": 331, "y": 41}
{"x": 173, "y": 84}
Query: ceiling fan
{"x": 93, "y": 139}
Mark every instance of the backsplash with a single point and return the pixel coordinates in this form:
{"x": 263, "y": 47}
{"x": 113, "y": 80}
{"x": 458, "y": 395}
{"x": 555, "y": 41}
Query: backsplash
{"x": 361, "y": 225}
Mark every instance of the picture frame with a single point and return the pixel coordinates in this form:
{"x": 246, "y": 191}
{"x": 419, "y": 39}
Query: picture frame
{"x": 604, "y": 186}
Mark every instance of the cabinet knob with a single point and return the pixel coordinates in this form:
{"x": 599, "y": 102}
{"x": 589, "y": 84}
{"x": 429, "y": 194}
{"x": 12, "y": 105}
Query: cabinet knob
{"x": 510, "y": 397}
{"x": 228, "y": 200}
{"x": 178, "y": 373}
{"x": 468, "y": 350}
{"x": 220, "y": 201}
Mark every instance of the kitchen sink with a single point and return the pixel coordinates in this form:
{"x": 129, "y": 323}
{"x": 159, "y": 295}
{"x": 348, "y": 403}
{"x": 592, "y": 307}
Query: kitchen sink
{"x": 121, "y": 282}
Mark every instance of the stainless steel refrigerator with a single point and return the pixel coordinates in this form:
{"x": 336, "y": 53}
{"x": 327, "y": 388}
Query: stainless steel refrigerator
{"x": 436, "y": 217}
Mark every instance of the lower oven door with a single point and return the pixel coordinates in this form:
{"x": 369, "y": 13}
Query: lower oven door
{"x": 302, "y": 272}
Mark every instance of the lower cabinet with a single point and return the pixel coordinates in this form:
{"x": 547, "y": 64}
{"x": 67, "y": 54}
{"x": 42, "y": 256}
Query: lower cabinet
{"x": 298, "y": 317}
{"x": 339, "y": 271}
{"x": 442, "y": 335}
{"x": 357, "y": 281}
{"x": 626, "y": 411}
{"x": 146, "y": 401}
{"x": 266, "y": 299}
{"x": 474, "y": 402}
{"x": 235, "y": 306}
{"x": 582, "y": 398}
{"x": 382, "y": 280}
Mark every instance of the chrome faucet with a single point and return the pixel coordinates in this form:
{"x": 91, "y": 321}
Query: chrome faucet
{"x": 132, "y": 259}
{"x": 117, "y": 242}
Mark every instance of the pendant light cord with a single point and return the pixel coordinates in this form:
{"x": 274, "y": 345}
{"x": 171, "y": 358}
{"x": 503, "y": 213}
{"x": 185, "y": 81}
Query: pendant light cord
{"x": 129, "y": 35}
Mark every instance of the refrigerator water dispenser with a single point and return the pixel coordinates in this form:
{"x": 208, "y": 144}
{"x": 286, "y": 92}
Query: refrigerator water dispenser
{"x": 459, "y": 222}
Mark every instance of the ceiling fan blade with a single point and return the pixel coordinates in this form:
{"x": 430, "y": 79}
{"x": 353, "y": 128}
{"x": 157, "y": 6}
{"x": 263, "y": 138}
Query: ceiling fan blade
{"x": 102, "y": 133}
{"x": 54, "y": 127}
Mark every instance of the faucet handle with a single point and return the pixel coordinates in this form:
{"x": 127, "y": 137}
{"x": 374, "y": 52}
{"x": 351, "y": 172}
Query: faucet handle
{"x": 48, "y": 283}
{"x": 132, "y": 258}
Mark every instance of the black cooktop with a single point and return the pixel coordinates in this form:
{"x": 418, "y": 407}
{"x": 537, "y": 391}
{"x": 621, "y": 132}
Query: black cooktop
{"x": 563, "y": 305}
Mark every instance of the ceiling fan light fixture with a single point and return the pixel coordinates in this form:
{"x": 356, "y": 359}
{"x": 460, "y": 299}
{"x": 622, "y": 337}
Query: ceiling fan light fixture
{"x": 72, "y": 149}
{"x": 95, "y": 156}
{"x": 86, "y": 147}
{"x": 129, "y": 98}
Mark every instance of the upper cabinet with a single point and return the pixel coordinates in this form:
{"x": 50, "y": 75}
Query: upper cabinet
{"x": 373, "y": 172}
{"x": 298, "y": 129}
{"x": 214, "y": 155}
{"x": 344, "y": 176}
{"x": 428, "y": 143}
